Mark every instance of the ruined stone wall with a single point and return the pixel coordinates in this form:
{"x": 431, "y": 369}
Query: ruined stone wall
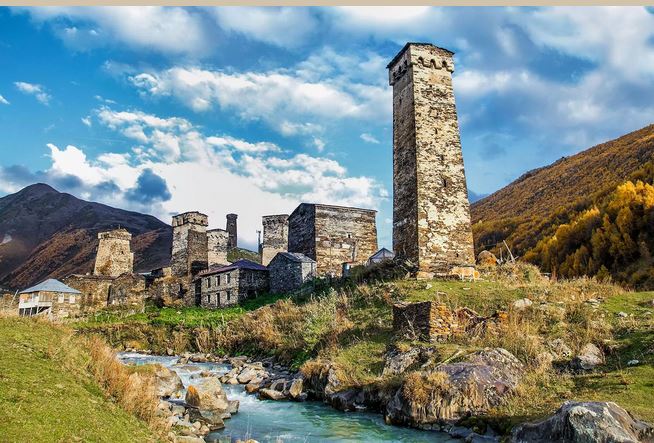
{"x": 343, "y": 235}
{"x": 275, "y": 236}
{"x": 114, "y": 256}
{"x": 94, "y": 290}
{"x": 288, "y": 275}
{"x": 128, "y": 290}
{"x": 301, "y": 230}
{"x": 217, "y": 244}
{"x": 424, "y": 320}
{"x": 190, "y": 245}
{"x": 431, "y": 214}
{"x": 231, "y": 228}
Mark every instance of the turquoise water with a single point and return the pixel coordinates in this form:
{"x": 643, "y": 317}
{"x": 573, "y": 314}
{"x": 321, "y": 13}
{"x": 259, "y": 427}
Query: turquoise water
{"x": 286, "y": 421}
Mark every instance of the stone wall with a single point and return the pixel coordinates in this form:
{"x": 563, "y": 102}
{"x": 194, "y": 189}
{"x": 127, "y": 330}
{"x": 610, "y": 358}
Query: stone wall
{"x": 288, "y": 275}
{"x": 301, "y": 230}
{"x": 114, "y": 256}
{"x": 232, "y": 231}
{"x": 275, "y": 236}
{"x": 128, "y": 290}
{"x": 94, "y": 290}
{"x": 190, "y": 245}
{"x": 431, "y": 212}
{"x": 217, "y": 244}
{"x": 231, "y": 287}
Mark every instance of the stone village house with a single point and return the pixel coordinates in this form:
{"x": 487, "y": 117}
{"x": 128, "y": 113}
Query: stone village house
{"x": 229, "y": 285}
{"x": 289, "y": 271}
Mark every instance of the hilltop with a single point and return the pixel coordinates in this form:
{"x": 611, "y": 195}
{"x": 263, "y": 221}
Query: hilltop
{"x": 45, "y": 233}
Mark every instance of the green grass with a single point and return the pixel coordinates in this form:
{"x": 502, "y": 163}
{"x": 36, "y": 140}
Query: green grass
{"x": 46, "y": 396}
{"x": 240, "y": 253}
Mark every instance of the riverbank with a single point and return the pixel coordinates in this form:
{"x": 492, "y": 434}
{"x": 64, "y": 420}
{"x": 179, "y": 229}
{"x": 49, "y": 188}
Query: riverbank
{"x": 349, "y": 331}
{"x": 49, "y": 394}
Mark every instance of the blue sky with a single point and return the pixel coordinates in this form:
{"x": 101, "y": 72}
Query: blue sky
{"x": 253, "y": 110}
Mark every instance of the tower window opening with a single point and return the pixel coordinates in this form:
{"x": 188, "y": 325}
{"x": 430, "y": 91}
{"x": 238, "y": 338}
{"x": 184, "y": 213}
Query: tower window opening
{"x": 445, "y": 183}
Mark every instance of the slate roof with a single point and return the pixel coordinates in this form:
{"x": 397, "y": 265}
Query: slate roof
{"x": 240, "y": 264}
{"x": 296, "y": 257}
{"x": 51, "y": 285}
{"x": 383, "y": 252}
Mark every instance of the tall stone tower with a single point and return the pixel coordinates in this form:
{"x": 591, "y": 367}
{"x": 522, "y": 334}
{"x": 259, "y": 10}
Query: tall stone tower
{"x": 431, "y": 212}
{"x": 190, "y": 250}
{"x": 275, "y": 236}
{"x": 231, "y": 230}
{"x": 217, "y": 245}
{"x": 114, "y": 257}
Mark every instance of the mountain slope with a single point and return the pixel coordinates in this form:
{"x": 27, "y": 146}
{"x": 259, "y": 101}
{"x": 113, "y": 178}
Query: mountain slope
{"x": 45, "y": 233}
{"x": 534, "y": 205}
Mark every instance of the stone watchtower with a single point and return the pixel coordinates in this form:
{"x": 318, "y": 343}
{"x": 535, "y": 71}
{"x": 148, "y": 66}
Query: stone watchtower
{"x": 275, "y": 236}
{"x": 114, "y": 257}
{"x": 190, "y": 250}
{"x": 231, "y": 230}
{"x": 431, "y": 212}
{"x": 217, "y": 245}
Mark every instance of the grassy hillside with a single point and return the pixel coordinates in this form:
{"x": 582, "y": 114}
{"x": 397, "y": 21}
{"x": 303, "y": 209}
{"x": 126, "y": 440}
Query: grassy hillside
{"x": 352, "y": 328}
{"x": 533, "y": 207}
{"x": 47, "y": 392}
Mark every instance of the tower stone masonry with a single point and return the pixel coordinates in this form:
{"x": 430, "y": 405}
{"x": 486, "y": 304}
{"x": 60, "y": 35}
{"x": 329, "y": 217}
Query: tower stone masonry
{"x": 431, "y": 212}
{"x": 190, "y": 245}
{"x": 275, "y": 236}
{"x": 217, "y": 240}
{"x": 114, "y": 257}
{"x": 231, "y": 230}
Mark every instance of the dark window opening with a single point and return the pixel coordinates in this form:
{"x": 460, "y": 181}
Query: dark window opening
{"x": 444, "y": 183}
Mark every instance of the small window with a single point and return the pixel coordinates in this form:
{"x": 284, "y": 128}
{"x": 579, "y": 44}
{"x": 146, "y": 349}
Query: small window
{"x": 209, "y": 298}
{"x": 60, "y": 299}
{"x": 209, "y": 282}
{"x": 444, "y": 183}
{"x": 229, "y": 295}
{"x": 72, "y": 299}
{"x": 229, "y": 278}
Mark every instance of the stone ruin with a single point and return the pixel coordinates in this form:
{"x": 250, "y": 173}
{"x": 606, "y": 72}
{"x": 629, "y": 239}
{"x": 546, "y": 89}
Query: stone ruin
{"x": 275, "y": 236}
{"x": 431, "y": 212}
{"x": 114, "y": 256}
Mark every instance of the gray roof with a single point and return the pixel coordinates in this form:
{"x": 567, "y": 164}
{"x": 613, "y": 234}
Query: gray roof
{"x": 51, "y": 285}
{"x": 296, "y": 257}
{"x": 239, "y": 264}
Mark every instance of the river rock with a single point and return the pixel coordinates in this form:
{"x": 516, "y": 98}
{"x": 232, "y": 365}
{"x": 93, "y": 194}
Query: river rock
{"x": 586, "y": 422}
{"x": 396, "y": 361}
{"x": 251, "y": 388}
{"x": 348, "y": 400}
{"x": 168, "y": 382}
{"x": 454, "y": 390}
{"x": 207, "y": 394}
{"x": 295, "y": 390}
{"x": 323, "y": 380}
{"x": 588, "y": 358}
{"x": 271, "y": 394}
{"x": 246, "y": 376}
{"x": 213, "y": 419}
{"x": 188, "y": 439}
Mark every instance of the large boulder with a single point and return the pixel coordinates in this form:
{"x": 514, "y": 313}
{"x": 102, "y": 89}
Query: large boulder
{"x": 486, "y": 259}
{"x": 207, "y": 394}
{"x": 452, "y": 391}
{"x": 586, "y": 422}
{"x": 397, "y": 361}
{"x": 168, "y": 382}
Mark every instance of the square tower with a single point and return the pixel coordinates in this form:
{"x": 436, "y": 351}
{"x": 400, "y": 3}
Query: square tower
{"x": 217, "y": 240}
{"x": 114, "y": 256}
{"x": 275, "y": 236}
{"x": 431, "y": 212}
{"x": 232, "y": 231}
{"x": 190, "y": 247}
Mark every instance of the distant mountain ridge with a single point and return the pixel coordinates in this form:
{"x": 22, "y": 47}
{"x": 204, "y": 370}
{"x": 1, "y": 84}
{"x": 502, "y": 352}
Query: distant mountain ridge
{"x": 45, "y": 233}
{"x": 536, "y": 204}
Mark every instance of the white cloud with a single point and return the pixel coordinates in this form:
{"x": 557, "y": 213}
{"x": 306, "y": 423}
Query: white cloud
{"x": 280, "y": 26}
{"x": 87, "y": 121}
{"x": 213, "y": 174}
{"x": 170, "y": 30}
{"x": 319, "y": 144}
{"x": 3, "y": 100}
{"x": 369, "y": 138}
{"x": 35, "y": 90}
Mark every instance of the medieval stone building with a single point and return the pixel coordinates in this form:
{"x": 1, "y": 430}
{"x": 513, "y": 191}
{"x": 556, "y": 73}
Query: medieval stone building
{"x": 275, "y": 236}
{"x": 431, "y": 212}
{"x": 289, "y": 271}
{"x": 114, "y": 256}
{"x": 228, "y": 285}
{"x": 332, "y": 235}
{"x": 232, "y": 231}
{"x": 218, "y": 245}
{"x": 190, "y": 244}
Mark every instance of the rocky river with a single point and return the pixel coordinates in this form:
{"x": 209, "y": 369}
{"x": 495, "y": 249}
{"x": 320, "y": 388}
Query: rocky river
{"x": 286, "y": 421}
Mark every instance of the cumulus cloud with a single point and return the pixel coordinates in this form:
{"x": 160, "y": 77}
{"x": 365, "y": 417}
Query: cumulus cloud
{"x": 286, "y": 101}
{"x": 175, "y": 167}
{"x": 3, "y": 100}
{"x": 279, "y": 26}
{"x": 87, "y": 121}
{"x": 36, "y": 90}
{"x": 170, "y": 30}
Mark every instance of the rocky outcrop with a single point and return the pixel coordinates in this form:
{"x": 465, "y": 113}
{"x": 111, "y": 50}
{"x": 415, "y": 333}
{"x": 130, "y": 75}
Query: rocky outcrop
{"x": 452, "y": 391}
{"x": 588, "y": 358}
{"x": 586, "y": 422}
{"x": 168, "y": 382}
{"x": 397, "y": 361}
